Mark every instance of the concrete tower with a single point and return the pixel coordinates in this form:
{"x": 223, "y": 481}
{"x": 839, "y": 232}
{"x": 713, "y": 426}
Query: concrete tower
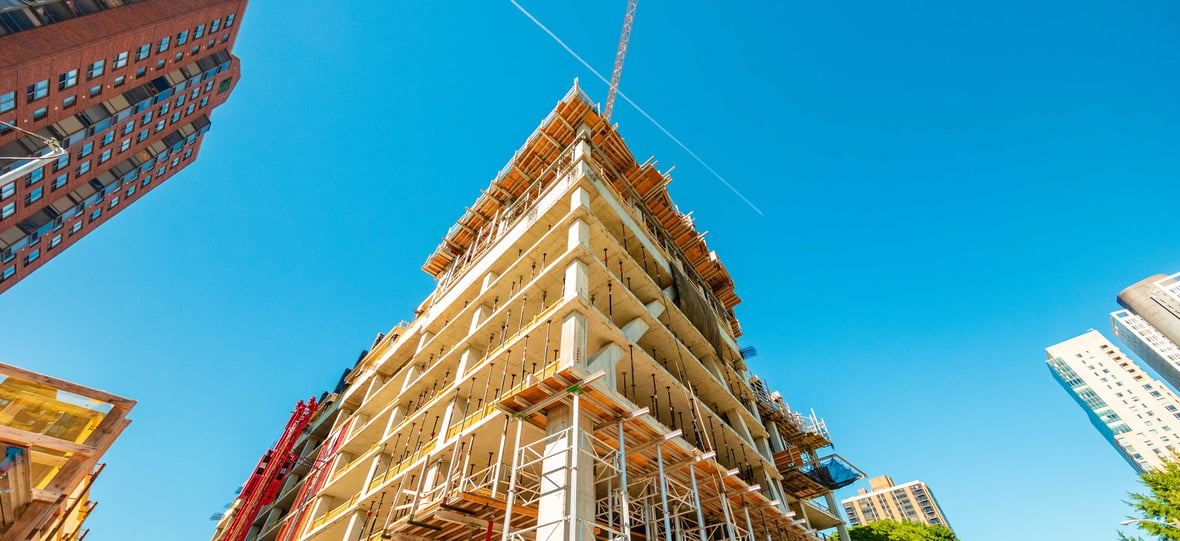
{"x": 575, "y": 375}
{"x": 1136, "y": 414}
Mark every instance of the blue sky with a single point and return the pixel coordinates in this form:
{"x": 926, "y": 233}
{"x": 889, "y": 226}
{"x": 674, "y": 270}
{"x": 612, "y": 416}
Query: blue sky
{"x": 949, "y": 187}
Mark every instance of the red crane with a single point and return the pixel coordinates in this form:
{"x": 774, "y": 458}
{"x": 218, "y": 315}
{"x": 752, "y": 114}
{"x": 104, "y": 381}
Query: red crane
{"x": 619, "y": 57}
{"x": 263, "y": 485}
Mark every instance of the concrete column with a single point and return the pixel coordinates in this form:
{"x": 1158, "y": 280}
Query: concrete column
{"x": 577, "y": 281}
{"x": 580, "y": 198}
{"x": 342, "y": 460}
{"x": 573, "y": 339}
{"x": 607, "y": 359}
{"x": 558, "y": 483}
{"x": 579, "y": 235}
{"x": 467, "y": 359}
{"x": 776, "y": 439}
{"x": 488, "y": 280}
{"x": 422, "y": 340}
{"x": 379, "y": 463}
{"x": 739, "y": 424}
{"x": 396, "y": 414}
{"x": 322, "y": 505}
{"x": 356, "y": 525}
{"x": 478, "y": 316}
{"x": 711, "y": 363}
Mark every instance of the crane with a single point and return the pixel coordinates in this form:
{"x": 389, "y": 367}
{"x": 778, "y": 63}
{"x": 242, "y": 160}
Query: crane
{"x": 628, "y": 20}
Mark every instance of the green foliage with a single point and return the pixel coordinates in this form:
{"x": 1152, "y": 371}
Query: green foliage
{"x": 892, "y": 530}
{"x": 1161, "y": 502}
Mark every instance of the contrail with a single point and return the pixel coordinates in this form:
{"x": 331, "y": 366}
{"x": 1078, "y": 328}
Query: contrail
{"x": 637, "y": 107}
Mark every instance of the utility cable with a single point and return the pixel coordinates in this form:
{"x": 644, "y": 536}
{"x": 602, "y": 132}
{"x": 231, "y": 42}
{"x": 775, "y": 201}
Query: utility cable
{"x": 638, "y": 108}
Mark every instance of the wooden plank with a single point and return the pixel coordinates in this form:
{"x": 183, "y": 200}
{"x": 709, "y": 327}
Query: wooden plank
{"x": 61, "y": 384}
{"x": 8, "y": 433}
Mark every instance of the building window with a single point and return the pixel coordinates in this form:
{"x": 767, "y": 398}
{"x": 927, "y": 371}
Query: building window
{"x": 96, "y": 69}
{"x": 160, "y": 65}
{"x": 108, "y": 138}
{"x": 120, "y": 60}
{"x": 224, "y": 85}
{"x": 128, "y": 127}
{"x": 139, "y": 73}
{"x": 120, "y": 80}
{"x": 8, "y": 273}
{"x": 163, "y": 44}
{"x": 179, "y": 56}
{"x": 148, "y": 180}
{"x": 33, "y": 255}
{"x": 114, "y": 201}
{"x": 215, "y": 26}
{"x": 204, "y": 101}
{"x": 67, "y": 79}
{"x": 7, "y": 101}
{"x": 60, "y": 180}
{"x": 40, "y": 113}
{"x": 106, "y": 155}
{"x": 175, "y": 116}
{"x": 123, "y": 146}
{"x": 62, "y": 162}
{"x": 195, "y": 50}
{"x": 200, "y": 32}
{"x": 147, "y": 118}
{"x": 34, "y": 177}
{"x": 189, "y": 110}
{"x": 164, "y": 108}
{"x": 7, "y": 210}
{"x": 182, "y": 38}
{"x": 229, "y": 20}
{"x": 143, "y": 51}
{"x": 94, "y": 215}
{"x": 142, "y": 135}
{"x": 86, "y": 150}
{"x": 76, "y": 227}
{"x": 209, "y": 44}
{"x": 69, "y": 101}
{"x": 188, "y": 153}
{"x": 95, "y": 90}
{"x": 33, "y": 195}
{"x": 160, "y": 171}
{"x": 8, "y": 190}
{"x": 83, "y": 169}
{"x": 159, "y": 125}
{"x": 54, "y": 242}
{"x": 131, "y": 191}
{"x": 37, "y": 90}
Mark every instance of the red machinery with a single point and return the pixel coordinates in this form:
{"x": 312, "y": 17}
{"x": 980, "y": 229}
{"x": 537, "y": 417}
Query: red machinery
{"x": 264, "y": 484}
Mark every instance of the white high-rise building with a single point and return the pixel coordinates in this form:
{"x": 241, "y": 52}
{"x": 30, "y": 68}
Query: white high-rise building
{"x": 1149, "y": 344}
{"x": 1137, "y": 414}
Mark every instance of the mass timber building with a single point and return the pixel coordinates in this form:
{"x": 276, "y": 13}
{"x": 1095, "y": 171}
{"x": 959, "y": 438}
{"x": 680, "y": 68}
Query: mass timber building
{"x": 122, "y": 89}
{"x": 575, "y": 375}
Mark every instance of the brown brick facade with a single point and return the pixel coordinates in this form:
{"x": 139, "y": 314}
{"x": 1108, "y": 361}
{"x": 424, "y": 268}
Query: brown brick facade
{"x": 137, "y": 124}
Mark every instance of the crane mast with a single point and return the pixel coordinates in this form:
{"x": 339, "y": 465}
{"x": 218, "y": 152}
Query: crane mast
{"x": 619, "y": 57}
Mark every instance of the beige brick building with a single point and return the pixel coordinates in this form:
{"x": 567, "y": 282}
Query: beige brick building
{"x": 912, "y": 501}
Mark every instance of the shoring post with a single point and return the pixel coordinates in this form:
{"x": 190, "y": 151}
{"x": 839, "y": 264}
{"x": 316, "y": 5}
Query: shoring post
{"x": 572, "y": 471}
{"x": 696, "y": 500}
{"x": 624, "y": 494}
{"x": 512, "y": 480}
{"x": 664, "y": 492}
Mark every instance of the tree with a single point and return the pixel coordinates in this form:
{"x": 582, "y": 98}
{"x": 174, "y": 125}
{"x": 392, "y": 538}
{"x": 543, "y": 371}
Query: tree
{"x": 1162, "y": 502}
{"x": 892, "y": 530}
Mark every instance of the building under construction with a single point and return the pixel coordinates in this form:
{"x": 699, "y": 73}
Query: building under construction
{"x": 575, "y": 375}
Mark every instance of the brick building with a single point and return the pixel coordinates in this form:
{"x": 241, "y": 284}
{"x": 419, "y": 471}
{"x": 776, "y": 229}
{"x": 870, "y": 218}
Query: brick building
{"x": 126, "y": 87}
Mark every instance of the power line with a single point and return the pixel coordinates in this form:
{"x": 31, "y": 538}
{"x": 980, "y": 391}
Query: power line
{"x": 638, "y": 108}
